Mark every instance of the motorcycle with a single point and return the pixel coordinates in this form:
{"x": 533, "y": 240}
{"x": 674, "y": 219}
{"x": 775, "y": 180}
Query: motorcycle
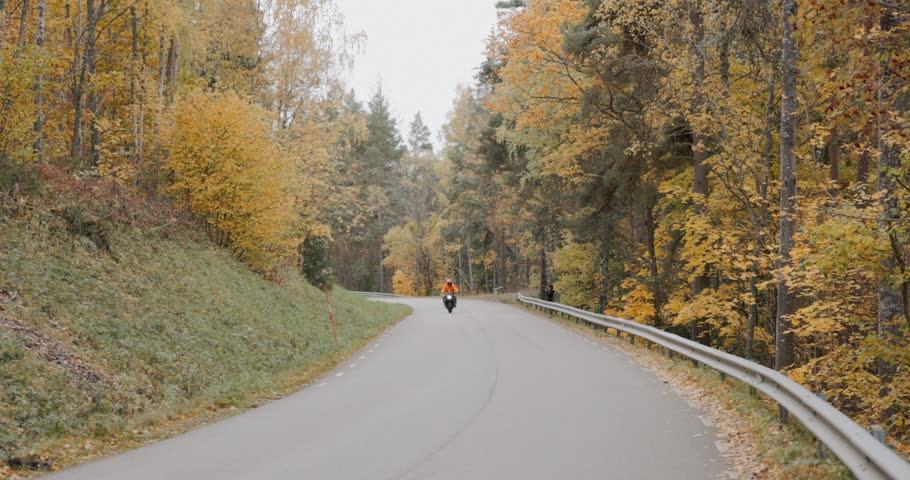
{"x": 449, "y": 301}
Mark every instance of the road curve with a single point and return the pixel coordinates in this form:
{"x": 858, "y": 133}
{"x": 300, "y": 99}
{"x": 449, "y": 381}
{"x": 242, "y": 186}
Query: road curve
{"x": 488, "y": 392}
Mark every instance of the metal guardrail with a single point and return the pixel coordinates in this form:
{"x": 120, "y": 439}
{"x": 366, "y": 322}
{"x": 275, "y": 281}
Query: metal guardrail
{"x": 377, "y": 294}
{"x": 855, "y": 447}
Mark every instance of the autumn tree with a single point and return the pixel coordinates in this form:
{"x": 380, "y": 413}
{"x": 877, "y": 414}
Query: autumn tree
{"x": 228, "y": 171}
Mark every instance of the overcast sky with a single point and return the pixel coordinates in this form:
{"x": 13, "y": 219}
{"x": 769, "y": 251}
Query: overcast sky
{"x": 421, "y": 49}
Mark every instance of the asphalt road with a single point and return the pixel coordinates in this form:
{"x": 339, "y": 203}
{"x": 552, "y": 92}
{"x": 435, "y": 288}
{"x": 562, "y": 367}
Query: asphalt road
{"x": 488, "y": 392}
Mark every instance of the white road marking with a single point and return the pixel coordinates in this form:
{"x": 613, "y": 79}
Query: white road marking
{"x": 353, "y": 365}
{"x": 322, "y": 384}
{"x": 362, "y": 357}
{"x": 371, "y": 351}
{"x": 339, "y": 374}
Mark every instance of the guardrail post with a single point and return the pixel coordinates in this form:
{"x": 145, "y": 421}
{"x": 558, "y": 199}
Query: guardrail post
{"x": 695, "y": 363}
{"x": 723, "y": 376}
{"x": 783, "y": 414}
{"x": 879, "y": 434}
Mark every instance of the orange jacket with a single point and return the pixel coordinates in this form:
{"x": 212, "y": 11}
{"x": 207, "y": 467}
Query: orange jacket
{"x": 446, "y": 288}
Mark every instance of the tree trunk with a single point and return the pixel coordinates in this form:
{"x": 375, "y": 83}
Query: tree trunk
{"x": 2, "y": 25}
{"x": 862, "y": 168}
{"x": 769, "y": 146}
{"x": 470, "y": 263}
{"x": 834, "y": 159}
{"x": 162, "y": 73}
{"x": 863, "y": 163}
{"x": 425, "y": 272}
{"x": 506, "y": 271}
{"x": 461, "y": 277}
{"x": 143, "y": 62}
{"x": 700, "y": 184}
{"x": 39, "y": 88}
{"x": 784, "y": 341}
{"x": 544, "y": 281}
{"x": 23, "y": 22}
{"x": 3, "y": 16}
{"x": 602, "y": 291}
{"x": 162, "y": 66}
{"x": 68, "y": 31}
{"x": 605, "y": 242}
{"x": 380, "y": 272}
{"x": 753, "y": 318}
{"x": 172, "y": 70}
{"x": 93, "y": 15}
{"x": 78, "y": 86}
{"x": 63, "y": 91}
{"x": 134, "y": 80}
{"x": 725, "y": 62}
{"x": 653, "y": 272}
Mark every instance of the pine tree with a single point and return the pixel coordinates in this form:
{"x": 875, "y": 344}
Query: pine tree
{"x": 419, "y": 136}
{"x": 383, "y": 150}
{"x": 381, "y": 162}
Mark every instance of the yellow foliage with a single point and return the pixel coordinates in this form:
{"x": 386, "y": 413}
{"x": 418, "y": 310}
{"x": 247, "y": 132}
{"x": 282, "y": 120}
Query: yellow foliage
{"x": 540, "y": 92}
{"x": 226, "y": 169}
{"x": 403, "y": 284}
{"x": 638, "y": 303}
{"x": 17, "y": 112}
{"x": 849, "y": 376}
{"x": 576, "y": 267}
{"x": 413, "y": 253}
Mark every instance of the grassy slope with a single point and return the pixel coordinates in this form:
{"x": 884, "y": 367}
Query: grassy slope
{"x": 172, "y": 326}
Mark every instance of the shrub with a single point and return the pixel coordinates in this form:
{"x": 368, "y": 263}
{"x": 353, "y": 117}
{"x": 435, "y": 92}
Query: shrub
{"x": 227, "y": 170}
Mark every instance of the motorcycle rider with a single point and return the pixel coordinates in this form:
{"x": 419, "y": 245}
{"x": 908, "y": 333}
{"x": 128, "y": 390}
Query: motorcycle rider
{"x": 449, "y": 287}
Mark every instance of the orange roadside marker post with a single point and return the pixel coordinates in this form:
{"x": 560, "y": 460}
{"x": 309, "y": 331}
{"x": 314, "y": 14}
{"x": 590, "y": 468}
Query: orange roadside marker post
{"x": 331, "y": 315}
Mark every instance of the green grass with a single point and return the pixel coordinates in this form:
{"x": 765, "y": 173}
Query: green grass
{"x": 174, "y": 326}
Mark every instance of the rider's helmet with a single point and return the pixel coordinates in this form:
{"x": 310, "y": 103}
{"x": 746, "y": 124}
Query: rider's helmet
{"x": 449, "y": 281}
